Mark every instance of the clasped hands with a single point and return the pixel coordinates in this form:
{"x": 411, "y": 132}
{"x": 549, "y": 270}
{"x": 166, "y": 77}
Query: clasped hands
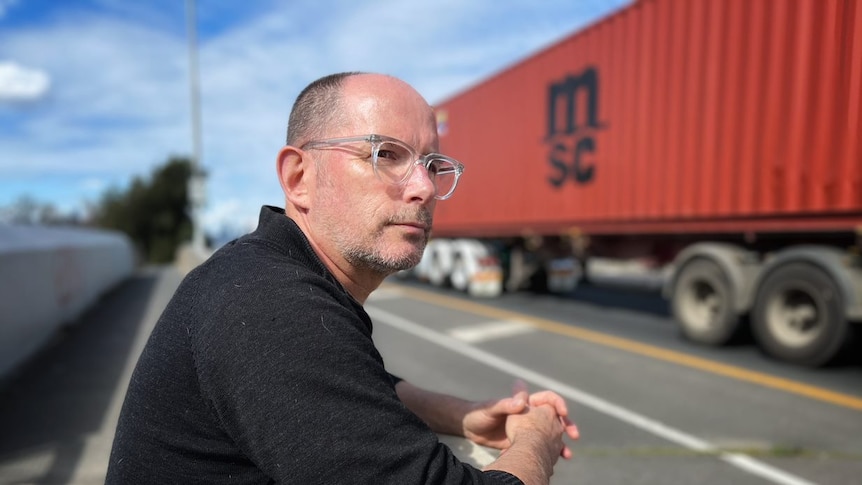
{"x": 486, "y": 423}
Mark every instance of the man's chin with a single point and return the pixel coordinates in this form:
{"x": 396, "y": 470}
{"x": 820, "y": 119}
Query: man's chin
{"x": 408, "y": 259}
{"x": 391, "y": 262}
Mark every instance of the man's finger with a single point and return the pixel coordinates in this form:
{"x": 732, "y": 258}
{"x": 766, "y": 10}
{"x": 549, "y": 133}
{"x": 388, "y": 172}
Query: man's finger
{"x": 520, "y": 396}
{"x": 551, "y": 398}
{"x": 571, "y": 428}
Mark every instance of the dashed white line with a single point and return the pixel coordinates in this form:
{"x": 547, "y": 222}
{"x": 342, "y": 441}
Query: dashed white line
{"x": 489, "y": 331}
{"x": 738, "y": 460}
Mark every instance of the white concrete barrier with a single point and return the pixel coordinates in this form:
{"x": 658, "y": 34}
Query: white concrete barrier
{"x": 48, "y": 277}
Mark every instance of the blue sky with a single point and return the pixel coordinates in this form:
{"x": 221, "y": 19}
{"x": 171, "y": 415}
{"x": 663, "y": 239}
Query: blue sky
{"x": 95, "y": 92}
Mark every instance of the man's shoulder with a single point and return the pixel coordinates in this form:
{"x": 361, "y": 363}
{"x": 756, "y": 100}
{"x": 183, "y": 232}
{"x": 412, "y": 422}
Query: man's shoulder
{"x": 250, "y": 276}
{"x": 250, "y": 267}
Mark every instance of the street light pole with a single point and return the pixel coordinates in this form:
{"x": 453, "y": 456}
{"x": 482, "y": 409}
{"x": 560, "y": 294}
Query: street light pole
{"x": 197, "y": 179}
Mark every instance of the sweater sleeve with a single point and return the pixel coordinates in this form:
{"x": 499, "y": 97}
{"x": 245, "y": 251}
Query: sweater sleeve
{"x": 294, "y": 378}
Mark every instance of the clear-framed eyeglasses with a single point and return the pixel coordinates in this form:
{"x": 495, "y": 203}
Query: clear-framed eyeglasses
{"x": 394, "y": 161}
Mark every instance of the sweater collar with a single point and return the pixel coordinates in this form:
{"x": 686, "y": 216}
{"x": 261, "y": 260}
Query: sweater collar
{"x": 282, "y": 232}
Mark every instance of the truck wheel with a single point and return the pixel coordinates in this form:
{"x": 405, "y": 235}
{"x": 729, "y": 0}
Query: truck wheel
{"x": 702, "y": 303}
{"x": 798, "y": 315}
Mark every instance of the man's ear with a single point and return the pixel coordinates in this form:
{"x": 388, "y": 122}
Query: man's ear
{"x": 294, "y": 174}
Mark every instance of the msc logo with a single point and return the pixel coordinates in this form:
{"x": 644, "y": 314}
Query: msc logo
{"x": 572, "y": 123}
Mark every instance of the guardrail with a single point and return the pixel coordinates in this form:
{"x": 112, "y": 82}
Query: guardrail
{"x": 48, "y": 277}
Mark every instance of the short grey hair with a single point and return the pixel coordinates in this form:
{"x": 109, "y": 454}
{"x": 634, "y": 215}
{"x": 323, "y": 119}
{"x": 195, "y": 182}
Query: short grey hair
{"x": 318, "y": 106}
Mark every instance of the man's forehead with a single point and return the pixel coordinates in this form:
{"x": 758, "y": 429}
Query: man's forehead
{"x": 400, "y": 112}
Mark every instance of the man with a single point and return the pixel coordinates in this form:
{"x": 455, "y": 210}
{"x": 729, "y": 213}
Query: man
{"x": 262, "y": 368}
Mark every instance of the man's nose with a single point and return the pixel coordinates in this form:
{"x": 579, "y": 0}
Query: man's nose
{"x": 419, "y": 183}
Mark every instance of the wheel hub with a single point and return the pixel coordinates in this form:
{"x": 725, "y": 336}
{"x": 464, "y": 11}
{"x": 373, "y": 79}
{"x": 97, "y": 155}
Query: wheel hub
{"x": 795, "y": 318}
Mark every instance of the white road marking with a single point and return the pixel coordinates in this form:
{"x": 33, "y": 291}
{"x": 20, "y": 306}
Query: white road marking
{"x": 489, "y": 331}
{"x": 738, "y": 460}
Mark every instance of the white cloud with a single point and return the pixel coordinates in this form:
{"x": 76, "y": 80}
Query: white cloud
{"x": 93, "y": 185}
{"x": 118, "y": 100}
{"x": 19, "y": 83}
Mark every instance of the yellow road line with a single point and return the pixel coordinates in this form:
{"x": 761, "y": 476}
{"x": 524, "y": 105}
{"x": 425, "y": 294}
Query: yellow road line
{"x": 765, "y": 380}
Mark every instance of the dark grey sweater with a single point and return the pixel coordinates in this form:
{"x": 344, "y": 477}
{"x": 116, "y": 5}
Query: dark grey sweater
{"x": 262, "y": 370}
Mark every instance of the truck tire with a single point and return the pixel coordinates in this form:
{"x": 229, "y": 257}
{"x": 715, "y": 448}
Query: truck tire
{"x": 702, "y": 303}
{"x": 798, "y": 315}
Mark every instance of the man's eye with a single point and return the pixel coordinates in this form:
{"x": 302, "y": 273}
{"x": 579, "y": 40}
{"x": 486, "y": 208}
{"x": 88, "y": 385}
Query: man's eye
{"x": 441, "y": 168}
{"x": 387, "y": 154}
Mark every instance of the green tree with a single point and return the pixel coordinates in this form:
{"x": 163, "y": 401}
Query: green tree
{"x": 153, "y": 212}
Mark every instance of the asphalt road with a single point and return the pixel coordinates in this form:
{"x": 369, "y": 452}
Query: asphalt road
{"x": 651, "y": 408}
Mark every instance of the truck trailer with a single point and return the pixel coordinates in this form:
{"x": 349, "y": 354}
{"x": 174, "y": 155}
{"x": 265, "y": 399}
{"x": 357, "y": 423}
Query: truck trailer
{"x": 718, "y": 143}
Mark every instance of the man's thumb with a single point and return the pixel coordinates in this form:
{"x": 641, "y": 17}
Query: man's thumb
{"x": 519, "y": 395}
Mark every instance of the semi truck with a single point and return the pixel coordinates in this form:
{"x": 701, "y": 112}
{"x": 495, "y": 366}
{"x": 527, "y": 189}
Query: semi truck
{"x": 717, "y": 144}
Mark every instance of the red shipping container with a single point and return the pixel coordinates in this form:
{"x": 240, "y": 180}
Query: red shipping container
{"x": 668, "y": 116}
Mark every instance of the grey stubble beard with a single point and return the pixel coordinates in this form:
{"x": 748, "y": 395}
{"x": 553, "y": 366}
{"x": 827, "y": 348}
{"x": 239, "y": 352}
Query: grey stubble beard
{"x": 374, "y": 260}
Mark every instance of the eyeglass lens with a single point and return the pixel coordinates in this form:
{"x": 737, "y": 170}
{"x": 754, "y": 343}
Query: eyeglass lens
{"x": 394, "y": 163}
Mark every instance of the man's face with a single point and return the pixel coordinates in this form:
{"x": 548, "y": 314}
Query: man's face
{"x": 372, "y": 224}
